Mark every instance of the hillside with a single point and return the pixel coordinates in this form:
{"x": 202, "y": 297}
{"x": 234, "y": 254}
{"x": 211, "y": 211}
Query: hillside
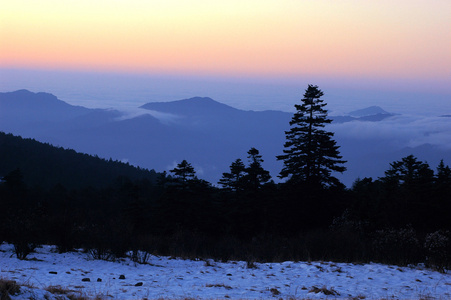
{"x": 45, "y": 165}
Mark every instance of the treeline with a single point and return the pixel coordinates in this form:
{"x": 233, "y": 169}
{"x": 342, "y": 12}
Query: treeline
{"x": 45, "y": 166}
{"x": 400, "y": 218}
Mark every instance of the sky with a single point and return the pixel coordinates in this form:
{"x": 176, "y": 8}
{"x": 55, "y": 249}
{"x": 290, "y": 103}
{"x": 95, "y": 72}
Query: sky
{"x": 392, "y": 45}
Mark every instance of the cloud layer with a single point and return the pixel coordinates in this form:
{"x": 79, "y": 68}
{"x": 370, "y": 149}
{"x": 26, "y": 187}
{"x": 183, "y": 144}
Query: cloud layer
{"x": 400, "y": 131}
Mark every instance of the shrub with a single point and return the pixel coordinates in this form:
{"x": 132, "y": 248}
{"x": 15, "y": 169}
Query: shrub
{"x": 398, "y": 246}
{"x": 22, "y": 248}
{"x": 99, "y": 252}
{"x": 337, "y": 244}
{"x": 250, "y": 264}
{"x": 438, "y": 250}
{"x": 24, "y": 230}
{"x": 62, "y": 232}
{"x": 107, "y": 241}
{"x": 140, "y": 257}
{"x": 274, "y": 291}
{"x": 227, "y": 287}
{"x": 7, "y": 288}
{"x": 324, "y": 290}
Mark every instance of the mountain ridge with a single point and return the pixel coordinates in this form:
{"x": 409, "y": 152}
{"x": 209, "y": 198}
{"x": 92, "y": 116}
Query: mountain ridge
{"x": 191, "y": 106}
{"x": 26, "y": 97}
{"x": 210, "y": 138}
{"x": 368, "y": 111}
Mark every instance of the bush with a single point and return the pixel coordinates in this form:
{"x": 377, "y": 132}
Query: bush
{"x": 24, "y": 232}
{"x": 324, "y": 290}
{"x": 102, "y": 253}
{"x": 62, "y": 232}
{"x": 438, "y": 250}
{"x": 140, "y": 257}
{"x": 22, "y": 248}
{"x": 7, "y": 288}
{"x": 107, "y": 241}
{"x": 398, "y": 246}
{"x": 339, "y": 244}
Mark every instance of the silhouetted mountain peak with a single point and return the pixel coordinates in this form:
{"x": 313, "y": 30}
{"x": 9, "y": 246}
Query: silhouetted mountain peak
{"x": 23, "y": 92}
{"x": 196, "y": 105}
{"x": 369, "y": 111}
{"x": 369, "y": 114}
{"x": 22, "y": 95}
{"x": 30, "y": 107}
{"x": 200, "y": 100}
{"x": 24, "y": 98}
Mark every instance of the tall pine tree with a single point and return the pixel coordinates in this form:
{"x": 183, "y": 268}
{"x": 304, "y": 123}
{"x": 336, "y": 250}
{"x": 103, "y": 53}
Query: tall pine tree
{"x": 310, "y": 153}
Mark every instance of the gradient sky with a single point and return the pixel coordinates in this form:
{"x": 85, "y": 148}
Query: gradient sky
{"x": 351, "y": 38}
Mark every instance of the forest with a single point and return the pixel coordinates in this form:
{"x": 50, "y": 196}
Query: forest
{"x": 51, "y": 195}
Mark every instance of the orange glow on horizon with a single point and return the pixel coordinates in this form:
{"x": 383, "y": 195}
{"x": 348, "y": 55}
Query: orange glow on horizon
{"x": 383, "y": 38}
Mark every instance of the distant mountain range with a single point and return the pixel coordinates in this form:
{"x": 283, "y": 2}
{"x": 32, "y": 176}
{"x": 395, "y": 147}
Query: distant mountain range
{"x": 206, "y": 133}
{"x": 369, "y": 111}
{"x": 371, "y": 114}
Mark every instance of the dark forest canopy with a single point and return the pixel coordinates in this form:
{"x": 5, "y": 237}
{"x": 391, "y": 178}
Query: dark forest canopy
{"x": 375, "y": 220}
{"x": 44, "y": 165}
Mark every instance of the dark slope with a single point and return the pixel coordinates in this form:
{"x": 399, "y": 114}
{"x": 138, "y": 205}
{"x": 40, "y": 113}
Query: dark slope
{"x": 45, "y": 165}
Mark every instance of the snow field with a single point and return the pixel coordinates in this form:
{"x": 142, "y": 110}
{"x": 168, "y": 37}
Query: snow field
{"x": 168, "y": 278}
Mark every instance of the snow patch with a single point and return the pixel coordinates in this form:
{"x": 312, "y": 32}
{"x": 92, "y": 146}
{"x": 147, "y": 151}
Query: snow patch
{"x": 177, "y": 278}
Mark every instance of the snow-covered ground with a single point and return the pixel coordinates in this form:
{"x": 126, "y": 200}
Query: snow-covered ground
{"x": 168, "y": 278}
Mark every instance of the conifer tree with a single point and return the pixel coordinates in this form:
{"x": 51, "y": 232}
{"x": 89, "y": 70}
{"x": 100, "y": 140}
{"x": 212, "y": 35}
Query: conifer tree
{"x": 255, "y": 176}
{"x": 443, "y": 177}
{"x": 310, "y": 153}
{"x": 184, "y": 171}
{"x": 233, "y": 180}
{"x": 409, "y": 172}
{"x": 442, "y": 196}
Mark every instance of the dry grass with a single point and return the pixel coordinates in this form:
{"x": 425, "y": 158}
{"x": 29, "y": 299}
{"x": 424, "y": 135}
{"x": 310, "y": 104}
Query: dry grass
{"x": 71, "y": 294}
{"x": 57, "y": 289}
{"x": 8, "y": 288}
{"x": 250, "y": 264}
{"x": 274, "y": 291}
{"x": 208, "y": 263}
{"x": 358, "y": 297}
{"x": 324, "y": 290}
{"x": 227, "y": 287}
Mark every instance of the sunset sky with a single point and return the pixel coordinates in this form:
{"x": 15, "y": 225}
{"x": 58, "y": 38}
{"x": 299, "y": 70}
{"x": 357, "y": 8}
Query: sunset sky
{"x": 351, "y": 38}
